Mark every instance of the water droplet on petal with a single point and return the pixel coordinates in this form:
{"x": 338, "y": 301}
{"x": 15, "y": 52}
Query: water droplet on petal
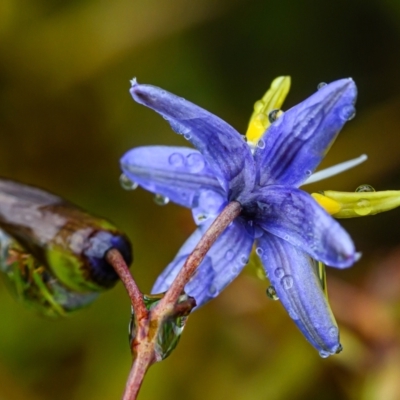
{"x": 261, "y": 144}
{"x": 273, "y": 115}
{"x": 365, "y": 188}
{"x": 212, "y": 291}
{"x": 229, "y": 255}
{"x": 187, "y": 136}
{"x": 293, "y": 314}
{"x": 176, "y": 160}
{"x": 339, "y": 349}
{"x": 321, "y": 85}
{"x": 161, "y": 200}
{"x": 126, "y": 183}
{"x": 287, "y": 282}
{"x": 244, "y": 137}
{"x": 348, "y": 112}
{"x": 271, "y": 293}
{"x": 195, "y": 162}
{"x": 324, "y": 354}
{"x": 279, "y": 273}
{"x": 308, "y": 172}
{"x": 333, "y": 331}
{"x": 363, "y": 207}
{"x": 178, "y": 127}
{"x": 259, "y": 251}
{"x": 244, "y": 260}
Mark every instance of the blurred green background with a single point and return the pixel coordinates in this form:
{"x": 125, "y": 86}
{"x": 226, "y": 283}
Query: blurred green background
{"x": 65, "y": 119}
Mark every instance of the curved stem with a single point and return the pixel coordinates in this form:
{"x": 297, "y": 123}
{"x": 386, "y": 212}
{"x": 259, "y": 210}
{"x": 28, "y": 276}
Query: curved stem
{"x": 115, "y": 258}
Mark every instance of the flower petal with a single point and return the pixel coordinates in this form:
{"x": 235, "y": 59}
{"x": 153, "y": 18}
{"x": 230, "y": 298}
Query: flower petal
{"x": 292, "y": 274}
{"x": 221, "y": 145}
{"x": 294, "y": 216}
{"x": 224, "y": 261}
{"x": 178, "y": 173}
{"x": 296, "y": 142}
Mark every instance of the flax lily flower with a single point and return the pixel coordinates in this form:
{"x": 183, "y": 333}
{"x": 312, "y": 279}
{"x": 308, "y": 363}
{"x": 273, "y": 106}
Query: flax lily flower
{"x": 289, "y": 229}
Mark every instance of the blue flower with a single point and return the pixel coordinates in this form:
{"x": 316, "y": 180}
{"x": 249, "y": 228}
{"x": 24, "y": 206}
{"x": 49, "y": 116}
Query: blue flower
{"x": 289, "y": 229}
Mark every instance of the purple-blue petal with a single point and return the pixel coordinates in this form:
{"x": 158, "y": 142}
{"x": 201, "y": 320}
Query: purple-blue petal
{"x": 221, "y": 145}
{"x": 179, "y": 173}
{"x": 223, "y": 262}
{"x": 295, "y": 216}
{"x": 293, "y": 276}
{"x": 295, "y": 144}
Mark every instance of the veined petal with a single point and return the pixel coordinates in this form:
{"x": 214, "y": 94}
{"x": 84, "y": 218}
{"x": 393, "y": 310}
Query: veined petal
{"x": 223, "y": 262}
{"x": 294, "y": 216}
{"x": 357, "y": 204}
{"x": 292, "y": 274}
{"x": 272, "y": 100}
{"x": 178, "y": 173}
{"x": 221, "y": 145}
{"x": 295, "y": 143}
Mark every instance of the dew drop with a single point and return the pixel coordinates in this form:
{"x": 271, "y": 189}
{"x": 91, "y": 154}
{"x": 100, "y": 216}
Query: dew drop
{"x": 287, "y": 282}
{"x": 273, "y": 115}
{"x": 324, "y": 354}
{"x": 279, "y": 273}
{"x": 365, "y": 188}
{"x": 308, "y": 172}
{"x": 363, "y": 207}
{"x": 195, "y": 162}
{"x": 293, "y": 314}
{"x": 259, "y": 251}
{"x": 234, "y": 270}
{"x": 244, "y": 137}
{"x": 321, "y": 85}
{"x": 348, "y": 112}
{"x": 271, "y": 293}
{"x": 244, "y": 260}
{"x": 229, "y": 255}
{"x": 126, "y": 183}
{"x": 212, "y": 291}
{"x": 161, "y": 200}
{"x": 333, "y": 331}
{"x": 258, "y": 105}
{"x": 261, "y": 144}
{"x": 339, "y": 349}
{"x": 187, "y": 136}
{"x": 176, "y": 160}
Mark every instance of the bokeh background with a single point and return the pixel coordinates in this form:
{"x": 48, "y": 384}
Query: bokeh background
{"x": 65, "y": 119}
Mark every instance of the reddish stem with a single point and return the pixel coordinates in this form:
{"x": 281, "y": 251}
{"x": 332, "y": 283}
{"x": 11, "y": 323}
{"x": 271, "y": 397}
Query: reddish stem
{"x": 115, "y": 258}
{"x": 228, "y": 214}
{"x": 149, "y": 323}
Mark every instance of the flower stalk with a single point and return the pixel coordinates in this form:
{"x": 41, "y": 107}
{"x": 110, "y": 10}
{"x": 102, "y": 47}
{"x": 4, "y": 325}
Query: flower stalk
{"x": 149, "y": 323}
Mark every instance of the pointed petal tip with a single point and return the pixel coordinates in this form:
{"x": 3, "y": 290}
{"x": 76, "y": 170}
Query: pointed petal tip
{"x": 133, "y": 81}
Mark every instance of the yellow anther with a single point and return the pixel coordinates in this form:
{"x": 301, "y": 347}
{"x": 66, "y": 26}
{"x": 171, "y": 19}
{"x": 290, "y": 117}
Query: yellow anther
{"x": 329, "y": 205}
{"x": 272, "y": 100}
{"x": 358, "y": 204}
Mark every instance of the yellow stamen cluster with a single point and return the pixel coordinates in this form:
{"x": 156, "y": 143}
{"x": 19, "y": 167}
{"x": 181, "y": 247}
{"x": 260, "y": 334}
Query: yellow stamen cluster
{"x": 357, "y": 204}
{"x": 272, "y": 100}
